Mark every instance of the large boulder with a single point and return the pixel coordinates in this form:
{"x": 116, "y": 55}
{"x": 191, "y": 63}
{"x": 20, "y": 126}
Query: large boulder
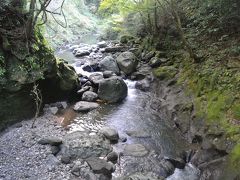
{"x": 109, "y": 64}
{"x": 82, "y": 145}
{"x": 112, "y": 89}
{"x": 127, "y": 62}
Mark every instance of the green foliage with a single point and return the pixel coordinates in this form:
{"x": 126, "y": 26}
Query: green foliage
{"x": 165, "y": 72}
{"x": 235, "y": 156}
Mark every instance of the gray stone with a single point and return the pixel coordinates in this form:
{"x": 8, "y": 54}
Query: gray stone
{"x": 155, "y": 61}
{"x": 55, "y": 150}
{"x": 65, "y": 159}
{"x": 110, "y": 134}
{"x": 53, "y": 110}
{"x": 112, "y": 89}
{"x": 95, "y": 78}
{"x": 102, "y": 44}
{"x": 82, "y": 145}
{"x": 146, "y": 57}
{"x": 143, "y": 85}
{"x": 137, "y": 76}
{"x": 100, "y": 166}
{"x": 137, "y": 150}
{"x": 84, "y": 106}
{"x": 127, "y": 62}
{"x": 167, "y": 168}
{"x": 108, "y": 74}
{"x": 54, "y": 141}
{"x": 64, "y": 104}
{"x": 109, "y": 64}
{"x": 89, "y": 96}
{"x": 112, "y": 156}
{"x": 84, "y": 89}
{"x": 81, "y": 53}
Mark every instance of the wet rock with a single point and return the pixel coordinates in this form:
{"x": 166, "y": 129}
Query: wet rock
{"x": 134, "y": 50}
{"x": 102, "y": 44}
{"x": 155, "y": 61}
{"x": 81, "y": 53}
{"x": 167, "y": 168}
{"x": 89, "y": 96}
{"x": 53, "y": 110}
{"x": 143, "y": 85}
{"x": 55, "y": 150}
{"x": 64, "y": 104}
{"x": 109, "y": 64}
{"x": 205, "y": 155}
{"x": 83, "y": 80}
{"x": 100, "y": 166}
{"x": 127, "y": 62}
{"x": 54, "y": 141}
{"x": 112, "y": 156}
{"x": 82, "y": 170}
{"x": 84, "y": 89}
{"x": 108, "y": 74}
{"x": 146, "y": 57}
{"x": 138, "y": 134}
{"x": 177, "y": 162}
{"x": 123, "y": 139}
{"x": 114, "y": 49}
{"x": 82, "y": 145}
{"x": 137, "y": 76}
{"x": 112, "y": 89}
{"x": 84, "y": 106}
{"x": 110, "y": 134}
{"x": 95, "y": 78}
{"x": 88, "y": 68}
{"x": 65, "y": 159}
{"x": 126, "y": 38}
{"x": 137, "y": 150}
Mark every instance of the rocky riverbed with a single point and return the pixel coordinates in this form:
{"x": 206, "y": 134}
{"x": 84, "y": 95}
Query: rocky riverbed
{"x": 123, "y": 125}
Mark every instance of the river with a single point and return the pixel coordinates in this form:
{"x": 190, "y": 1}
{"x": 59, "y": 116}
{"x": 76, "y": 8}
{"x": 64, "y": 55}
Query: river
{"x": 135, "y": 114}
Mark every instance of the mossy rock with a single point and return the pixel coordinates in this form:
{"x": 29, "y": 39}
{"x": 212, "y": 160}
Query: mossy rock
{"x": 126, "y": 38}
{"x": 67, "y": 77}
{"x": 165, "y": 72}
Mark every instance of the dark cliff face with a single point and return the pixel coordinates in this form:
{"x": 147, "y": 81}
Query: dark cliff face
{"x": 24, "y": 62}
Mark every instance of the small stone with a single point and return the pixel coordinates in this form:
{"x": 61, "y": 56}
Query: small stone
{"x": 53, "y": 110}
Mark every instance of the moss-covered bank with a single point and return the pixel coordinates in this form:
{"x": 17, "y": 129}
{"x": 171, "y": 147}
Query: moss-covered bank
{"x": 24, "y": 62}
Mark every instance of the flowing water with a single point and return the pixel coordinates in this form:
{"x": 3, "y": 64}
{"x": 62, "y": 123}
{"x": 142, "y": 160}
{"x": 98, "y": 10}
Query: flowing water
{"x": 135, "y": 114}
